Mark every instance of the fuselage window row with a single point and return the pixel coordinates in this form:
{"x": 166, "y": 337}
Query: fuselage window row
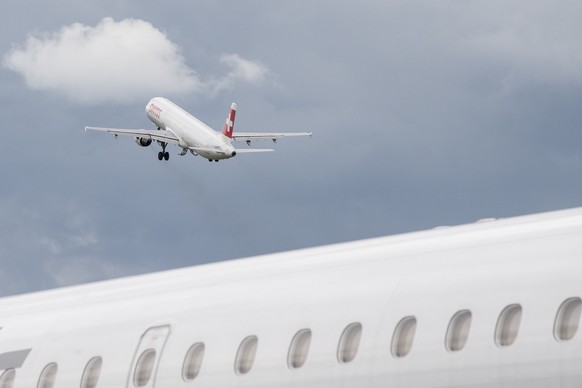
{"x": 566, "y": 325}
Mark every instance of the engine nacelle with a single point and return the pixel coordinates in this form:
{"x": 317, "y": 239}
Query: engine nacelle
{"x": 143, "y": 141}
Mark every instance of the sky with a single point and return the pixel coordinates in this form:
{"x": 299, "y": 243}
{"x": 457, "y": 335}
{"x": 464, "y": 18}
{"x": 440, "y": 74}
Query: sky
{"x": 423, "y": 114}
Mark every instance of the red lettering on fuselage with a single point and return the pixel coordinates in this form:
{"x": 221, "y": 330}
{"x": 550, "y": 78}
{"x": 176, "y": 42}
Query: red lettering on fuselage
{"x": 155, "y": 110}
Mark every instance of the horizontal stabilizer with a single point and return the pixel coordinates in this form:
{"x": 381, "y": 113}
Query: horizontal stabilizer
{"x": 248, "y": 136}
{"x": 252, "y": 150}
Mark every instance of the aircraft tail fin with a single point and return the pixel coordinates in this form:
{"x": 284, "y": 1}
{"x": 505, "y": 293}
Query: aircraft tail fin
{"x": 229, "y": 125}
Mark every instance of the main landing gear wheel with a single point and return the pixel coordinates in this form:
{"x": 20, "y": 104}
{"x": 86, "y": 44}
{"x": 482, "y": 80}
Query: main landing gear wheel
{"x": 163, "y": 154}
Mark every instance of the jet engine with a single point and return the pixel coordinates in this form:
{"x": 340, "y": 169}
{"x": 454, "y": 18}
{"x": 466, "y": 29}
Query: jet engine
{"x": 143, "y": 141}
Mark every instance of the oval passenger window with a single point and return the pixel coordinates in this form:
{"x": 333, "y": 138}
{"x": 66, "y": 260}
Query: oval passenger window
{"x": 567, "y": 319}
{"x": 193, "y": 361}
{"x": 91, "y": 373}
{"x": 458, "y": 331}
{"x": 7, "y": 378}
{"x": 245, "y": 357}
{"x": 403, "y": 337}
{"x": 299, "y": 349}
{"x": 48, "y": 376}
{"x": 508, "y": 325}
{"x": 144, "y": 368}
{"x": 349, "y": 343}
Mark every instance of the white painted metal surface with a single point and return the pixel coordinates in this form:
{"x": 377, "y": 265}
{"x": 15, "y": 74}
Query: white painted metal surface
{"x": 533, "y": 261}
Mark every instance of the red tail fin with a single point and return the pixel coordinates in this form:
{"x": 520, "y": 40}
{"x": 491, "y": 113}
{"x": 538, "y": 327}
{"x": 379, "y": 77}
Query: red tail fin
{"x": 229, "y": 125}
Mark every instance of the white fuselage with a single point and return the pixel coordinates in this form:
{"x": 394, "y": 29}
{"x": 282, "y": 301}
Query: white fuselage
{"x": 192, "y": 132}
{"x": 534, "y": 262}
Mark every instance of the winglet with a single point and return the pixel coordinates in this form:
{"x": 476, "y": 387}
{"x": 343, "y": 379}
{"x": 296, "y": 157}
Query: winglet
{"x": 229, "y": 124}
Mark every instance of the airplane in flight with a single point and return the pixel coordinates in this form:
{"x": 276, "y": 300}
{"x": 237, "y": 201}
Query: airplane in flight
{"x": 489, "y": 304}
{"x": 176, "y": 126}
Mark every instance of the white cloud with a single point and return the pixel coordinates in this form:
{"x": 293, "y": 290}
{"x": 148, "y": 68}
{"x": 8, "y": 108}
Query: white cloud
{"x": 81, "y": 269}
{"x": 243, "y": 69}
{"x": 120, "y": 61}
{"x": 240, "y": 70}
{"x": 528, "y": 45}
{"x": 51, "y": 245}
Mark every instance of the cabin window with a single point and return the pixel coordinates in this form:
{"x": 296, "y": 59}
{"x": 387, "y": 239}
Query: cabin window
{"x": 245, "y": 357}
{"x": 144, "y": 368}
{"x": 7, "y": 378}
{"x": 403, "y": 337}
{"x": 508, "y": 325}
{"x": 48, "y": 376}
{"x": 567, "y": 319}
{"x": 193, "y": 361}
{"x": 91, "y": 373}
{"x": 299, "y": 349}
{"x": 458, "y": 331}
{"x": 349, "y": 343}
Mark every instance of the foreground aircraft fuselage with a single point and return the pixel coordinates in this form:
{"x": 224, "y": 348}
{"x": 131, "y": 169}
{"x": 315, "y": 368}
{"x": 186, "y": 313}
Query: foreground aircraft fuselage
{"x": 493, "y": 304}
{"x": 176, "y": 126}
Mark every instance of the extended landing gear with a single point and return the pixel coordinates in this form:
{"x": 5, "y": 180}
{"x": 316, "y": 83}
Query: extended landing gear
{"x": 163, "y": 154}
{"x": 210, "y": 160}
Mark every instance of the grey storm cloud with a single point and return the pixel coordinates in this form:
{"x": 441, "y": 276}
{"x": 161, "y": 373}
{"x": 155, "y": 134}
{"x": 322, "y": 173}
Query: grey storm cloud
{"x": 423, "y": 113}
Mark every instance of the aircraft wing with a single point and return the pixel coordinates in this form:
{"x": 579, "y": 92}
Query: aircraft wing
{"x": 251, "y": 136}
{"x": 160, "y": 135}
